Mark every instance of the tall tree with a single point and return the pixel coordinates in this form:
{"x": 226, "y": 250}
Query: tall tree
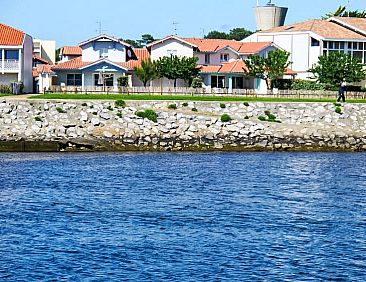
{"x": 338, "y": 67}
{"x": 133, "y": 43}
{"x": 147, "y": 38}
{"x": 239, "y": 33}
{"x": 147, "y": 71}
{"x": 169, "y": 67}
{"x": 268, "y": 68}
{"x": 342, "y": 12}
{"x": 217, "y": 35}
{"x": 189, "y": 69}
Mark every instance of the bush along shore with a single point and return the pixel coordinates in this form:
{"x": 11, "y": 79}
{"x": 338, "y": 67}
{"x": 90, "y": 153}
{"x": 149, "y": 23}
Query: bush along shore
{"x": 180, "y": 126}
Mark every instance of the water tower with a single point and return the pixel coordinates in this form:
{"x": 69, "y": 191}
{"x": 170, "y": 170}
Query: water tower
{"x": 269, "y": 16}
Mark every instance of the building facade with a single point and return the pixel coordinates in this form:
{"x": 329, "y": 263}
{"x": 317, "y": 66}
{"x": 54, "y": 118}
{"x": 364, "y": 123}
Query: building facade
{"x": 16, "y": 56}
{"x": 45, "y": 49}
{"x": 308, "y": 40}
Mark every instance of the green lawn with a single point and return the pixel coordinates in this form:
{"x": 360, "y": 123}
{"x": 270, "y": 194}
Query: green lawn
{"x": 2, "y": 94}
{"x": 179, "y": 98}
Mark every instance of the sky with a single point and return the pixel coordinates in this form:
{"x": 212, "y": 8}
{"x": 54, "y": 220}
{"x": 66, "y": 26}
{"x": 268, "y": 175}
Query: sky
{"x": 70, "y": 22}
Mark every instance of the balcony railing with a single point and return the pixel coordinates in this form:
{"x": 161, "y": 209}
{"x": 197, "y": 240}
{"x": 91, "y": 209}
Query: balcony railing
{"x": 10, "y": 65}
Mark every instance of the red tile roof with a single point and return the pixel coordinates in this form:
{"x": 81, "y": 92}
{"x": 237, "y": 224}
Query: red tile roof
{"x": 71, "y": 51}
{"x": 141, "y": 54}
{"x": 44, "y": 61}
{"x": 73, "y": 64}
{"x": 11, "y": 36}
{"x": 236, "y": 66}
{"x": 358, "y": 23}
{"x": 44, "y": 69}
{"x": 214, "y": 45}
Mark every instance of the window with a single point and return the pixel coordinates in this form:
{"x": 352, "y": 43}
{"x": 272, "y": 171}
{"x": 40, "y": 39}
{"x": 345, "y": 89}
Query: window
{"x": 314, "y": 42}
{"x": 357, "y": 55}
{"x": 217, "y": 81}
{"x": 11, "y": 55}
{"x": 341, "y": 45}
{"x": 238, "y": 82}
{"x": 172, "y": 53}
{"x": 74, "y": 79}
{"x": 224, "y": 57}
{"x": 325, "y": 44}
{"x": 103, "y": 53}
{"x": 207, "y": 59}
{"x": 108, "y": 80}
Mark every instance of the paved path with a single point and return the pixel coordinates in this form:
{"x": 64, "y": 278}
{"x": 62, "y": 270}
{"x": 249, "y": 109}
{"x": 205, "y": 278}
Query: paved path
{"x": 18, "y": 97}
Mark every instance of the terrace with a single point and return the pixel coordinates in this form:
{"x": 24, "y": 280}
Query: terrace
{"x": 9, "y": 60}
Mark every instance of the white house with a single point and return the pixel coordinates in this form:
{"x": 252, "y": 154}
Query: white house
{"x": 221, "y": 61}
{"x": 308, "y": 40}
{"x": 103, "y": 59}
{"x": 16, "y": 52}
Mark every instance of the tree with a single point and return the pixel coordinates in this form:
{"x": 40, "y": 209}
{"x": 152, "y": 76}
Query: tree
{"x": 147, "y": 71}
{"x": 133, "y": 43}
{"x": 270, "y": 68}
{"x": 234, "y": 34}
{"x": 188, "y": 69}
{"x": 146, "y": 39}
{"x": 175, "y": 68}
{"x": 239, "y": 33}
{"x": 338, "y": 67}
{"x": 217, "y": 35}
{"x": 342, "y": 12}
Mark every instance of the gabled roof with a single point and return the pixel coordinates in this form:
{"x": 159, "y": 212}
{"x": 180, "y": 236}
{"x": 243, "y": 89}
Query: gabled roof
{"x": 356, "y": 24}
{"x": 71, "y": 51}
{"x": 324, "y": 28}
{"x": 215, "y": 45}
{"x": 43, "y": 61}
{"x": 10, "y": 36}
{"x": 236, "y": 66}
{"x": 170, "y": 37}
{"x": 104, "y": 36}
{"x": 118, "y": 65}
{"x": 78, "y": 64}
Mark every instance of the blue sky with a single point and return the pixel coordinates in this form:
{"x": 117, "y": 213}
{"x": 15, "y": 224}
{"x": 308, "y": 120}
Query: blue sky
{"x": 72, "y": 21}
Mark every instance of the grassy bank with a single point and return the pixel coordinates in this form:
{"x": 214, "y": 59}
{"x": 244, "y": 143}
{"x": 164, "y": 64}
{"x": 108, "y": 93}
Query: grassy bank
{"x": 142, "y": 97}
{"x": 2, "y": 94}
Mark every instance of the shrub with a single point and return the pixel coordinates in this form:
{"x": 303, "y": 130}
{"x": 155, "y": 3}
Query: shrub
{"x": 5, "y": 89}
{"x": 149, "y": 114}
{"x": 262, "y": 118}
{"x": 122, "y": 81}
{"x": 337, "y": 104}
{"x": 222, "y": 106}
{"x": 185, "y": 104}
{"x": 84, "y": 104}
{"x": 197, "y": 82}
{"x": 119, "y": 114}
{"x": 301, "y": 84}
{"x": 338, "y": 110}
{"x": 38, "y": 119}
{"x": 172, "y": 107}
{"x": 120, "y": 104}
{"x": 225, "y": 118}
{"x": 109, "y": 108}
{"x": 246, "y": 104}
{"x": 60, "y": 110}
{"x": 194, "y": 110}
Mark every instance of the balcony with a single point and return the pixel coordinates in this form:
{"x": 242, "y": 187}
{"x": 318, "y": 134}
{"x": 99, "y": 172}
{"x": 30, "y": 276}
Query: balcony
{"x": 9, "y": 65}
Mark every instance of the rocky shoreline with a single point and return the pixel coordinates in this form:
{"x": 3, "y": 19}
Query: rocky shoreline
{"x": 35, "y": 125}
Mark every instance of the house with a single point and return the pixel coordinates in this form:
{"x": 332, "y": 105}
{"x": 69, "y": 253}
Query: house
{"x": 103, "y": 59}
{"x": 308, "y": 40}
{"x": 16, "y": 50}
{"x": 45, "y": 49}
{"x": 221, "y": 61}
{"x": 68, "y": 53}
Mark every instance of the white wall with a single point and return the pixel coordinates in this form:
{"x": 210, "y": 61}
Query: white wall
{"x": 91, "y": 53}
{"x": 161, "y": 50}
{"x": 215, "y": 58}
{"x": 7, "y": 78}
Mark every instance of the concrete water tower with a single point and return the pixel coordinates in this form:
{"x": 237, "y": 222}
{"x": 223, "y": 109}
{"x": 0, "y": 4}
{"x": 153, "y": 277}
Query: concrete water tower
{"x": 269, "y": 16}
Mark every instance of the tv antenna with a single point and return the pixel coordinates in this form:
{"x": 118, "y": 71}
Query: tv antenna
{"x": 100, "y": 30}
{"x": 175, "y": 27}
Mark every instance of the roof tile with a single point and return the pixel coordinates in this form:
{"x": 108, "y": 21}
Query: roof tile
{"x": 11, "y": 36}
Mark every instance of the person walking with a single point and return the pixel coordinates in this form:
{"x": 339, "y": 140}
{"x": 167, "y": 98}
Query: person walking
{"x": 342, "y": 89}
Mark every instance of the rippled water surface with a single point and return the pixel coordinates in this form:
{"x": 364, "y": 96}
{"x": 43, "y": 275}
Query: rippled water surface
{"x": 183, "y": 217}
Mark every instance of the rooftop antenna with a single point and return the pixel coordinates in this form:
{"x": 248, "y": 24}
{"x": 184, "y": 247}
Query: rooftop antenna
{"x": 100, "y": 30}
{"x": 203, "y": 32}
{"x": 175, "y": 27}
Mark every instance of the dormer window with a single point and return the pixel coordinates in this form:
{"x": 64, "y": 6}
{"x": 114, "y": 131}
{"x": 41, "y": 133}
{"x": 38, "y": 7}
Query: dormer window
{"x": 224, "y": 57}
{"x": 103, "y": 53}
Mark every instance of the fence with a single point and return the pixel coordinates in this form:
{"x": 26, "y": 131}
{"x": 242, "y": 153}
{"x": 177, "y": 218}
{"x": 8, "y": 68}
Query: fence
{"x": 291, "y": 94}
